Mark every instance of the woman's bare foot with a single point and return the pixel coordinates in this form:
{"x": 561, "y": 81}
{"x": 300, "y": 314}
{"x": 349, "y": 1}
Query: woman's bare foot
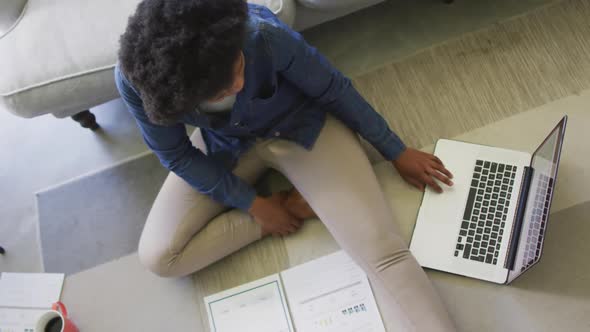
{"x": 295, "y": 205}
{"x": 298, "y": 206}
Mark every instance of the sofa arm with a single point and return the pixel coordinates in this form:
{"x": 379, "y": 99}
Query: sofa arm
{"x": 284, "y": 9}
{"x": 330, "y": 4}
{"x": 10, "y": 13}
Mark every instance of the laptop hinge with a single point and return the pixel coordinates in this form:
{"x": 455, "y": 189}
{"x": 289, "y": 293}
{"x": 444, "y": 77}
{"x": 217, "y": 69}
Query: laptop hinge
{"x": 519, "y": 216}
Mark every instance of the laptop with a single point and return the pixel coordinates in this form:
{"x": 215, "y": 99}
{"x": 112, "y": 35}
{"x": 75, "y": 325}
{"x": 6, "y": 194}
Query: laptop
{"x": 491, "y": 224}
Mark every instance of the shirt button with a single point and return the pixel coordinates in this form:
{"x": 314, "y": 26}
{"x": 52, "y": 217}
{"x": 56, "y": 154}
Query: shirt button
{"x": 277, "y": 134}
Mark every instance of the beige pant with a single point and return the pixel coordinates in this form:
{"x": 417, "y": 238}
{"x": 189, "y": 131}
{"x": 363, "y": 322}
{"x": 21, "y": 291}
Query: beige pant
{"x": 186, "y": 230}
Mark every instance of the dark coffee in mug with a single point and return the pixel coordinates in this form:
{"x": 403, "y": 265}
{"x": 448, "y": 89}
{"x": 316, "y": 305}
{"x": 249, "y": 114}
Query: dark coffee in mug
{"x": 54, "y": 325}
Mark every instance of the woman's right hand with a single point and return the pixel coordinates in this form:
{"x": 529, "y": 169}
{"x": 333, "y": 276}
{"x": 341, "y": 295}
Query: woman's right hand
{"x": 273, "y": 217}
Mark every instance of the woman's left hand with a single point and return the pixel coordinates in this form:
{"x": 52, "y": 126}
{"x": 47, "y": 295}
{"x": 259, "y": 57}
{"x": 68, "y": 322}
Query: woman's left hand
{"x": 420, "y": 169}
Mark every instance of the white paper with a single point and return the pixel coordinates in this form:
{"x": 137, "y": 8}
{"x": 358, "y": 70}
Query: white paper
{"x": 30, "y": 290}
{"x": 258, "y": 306}
{"x": 19, "y": 320}
{"x": 331, "y": 294}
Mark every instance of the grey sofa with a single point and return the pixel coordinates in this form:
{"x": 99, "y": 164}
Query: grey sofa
{"x": 57, "y": 56}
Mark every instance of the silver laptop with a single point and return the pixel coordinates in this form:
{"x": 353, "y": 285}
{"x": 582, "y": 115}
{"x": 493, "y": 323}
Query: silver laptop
{"x": 491, "y": 224}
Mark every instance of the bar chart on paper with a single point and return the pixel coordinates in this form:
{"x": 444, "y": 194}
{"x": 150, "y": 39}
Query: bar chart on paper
{"x": 331, "y": 294}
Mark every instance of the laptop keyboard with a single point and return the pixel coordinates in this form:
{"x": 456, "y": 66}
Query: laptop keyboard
{"x": 534, "y": 239}
{"x": 484, "y": 218}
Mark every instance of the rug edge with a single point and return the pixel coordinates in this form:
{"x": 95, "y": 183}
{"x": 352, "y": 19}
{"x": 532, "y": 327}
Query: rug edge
{"x": 455, "y": 38}
{"x": 91, "y": 173}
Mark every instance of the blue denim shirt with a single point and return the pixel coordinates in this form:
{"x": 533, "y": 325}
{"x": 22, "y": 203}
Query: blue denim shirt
{"x": 289, "y": 88}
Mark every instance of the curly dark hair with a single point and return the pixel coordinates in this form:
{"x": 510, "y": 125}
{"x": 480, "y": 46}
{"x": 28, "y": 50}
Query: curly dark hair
{"x": 178, "y": 53}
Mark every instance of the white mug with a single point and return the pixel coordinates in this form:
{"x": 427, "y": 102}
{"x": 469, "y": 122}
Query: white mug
{"x": 58, "y": 310}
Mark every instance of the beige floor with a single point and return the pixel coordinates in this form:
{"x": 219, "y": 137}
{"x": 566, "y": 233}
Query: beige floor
{"x": 396, "y": 29}
{"x": 485, "y": 76}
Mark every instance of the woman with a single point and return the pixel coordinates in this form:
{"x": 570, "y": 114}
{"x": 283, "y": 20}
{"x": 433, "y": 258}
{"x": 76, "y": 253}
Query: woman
{"x": 262, "y": 97}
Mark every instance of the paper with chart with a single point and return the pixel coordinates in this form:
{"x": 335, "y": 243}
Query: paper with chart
{"x": 331, "y": 294}
{"x": 258, "y": 306}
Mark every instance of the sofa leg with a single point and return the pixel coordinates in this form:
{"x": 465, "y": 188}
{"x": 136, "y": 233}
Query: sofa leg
{"x": 86, "y": 120}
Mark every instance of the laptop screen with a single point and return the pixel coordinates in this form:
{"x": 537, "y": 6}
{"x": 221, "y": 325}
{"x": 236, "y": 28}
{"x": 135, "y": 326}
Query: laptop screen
{"x": 544, "y": 163}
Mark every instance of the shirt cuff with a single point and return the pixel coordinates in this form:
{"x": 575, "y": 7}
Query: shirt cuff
{"x": 232, "y": 191}
{"x": 244, "y": 200}
{"x": 391, "y": 147}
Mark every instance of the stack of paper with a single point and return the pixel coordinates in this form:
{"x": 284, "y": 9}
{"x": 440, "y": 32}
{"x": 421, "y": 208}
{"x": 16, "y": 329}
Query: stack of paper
{"x": 25, "y": 296}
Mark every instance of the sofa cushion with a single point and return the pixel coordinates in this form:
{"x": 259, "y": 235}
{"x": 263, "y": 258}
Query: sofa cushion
{"x": 309, "y": 16}
{"x": 60, "y": 40}
{"x": 10, "y": 14}
{"x": 284, "y": 9}
{"x": 59, "y": 47}
{"x": 332, "y": 4}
